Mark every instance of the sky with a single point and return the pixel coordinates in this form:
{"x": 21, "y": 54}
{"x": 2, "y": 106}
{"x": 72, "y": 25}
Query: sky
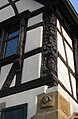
{"x": 75, "y": 4}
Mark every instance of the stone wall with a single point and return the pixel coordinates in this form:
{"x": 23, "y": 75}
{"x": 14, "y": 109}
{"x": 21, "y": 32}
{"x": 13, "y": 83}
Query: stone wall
{"x": 52, "y": 106}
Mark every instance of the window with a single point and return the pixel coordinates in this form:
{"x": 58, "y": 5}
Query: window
{"x": 9, "y": 42}
{"x": 15, "y": 112}
{"x": 9, "y": 31}
{"x": 12, "y": 43}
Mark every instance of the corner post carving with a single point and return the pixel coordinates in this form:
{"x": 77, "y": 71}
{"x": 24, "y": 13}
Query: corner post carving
{"x": 49, "y": 48}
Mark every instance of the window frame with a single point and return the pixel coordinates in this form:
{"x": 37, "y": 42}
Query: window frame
{"x": 12, "y": 22}
{"x": 17, "y": 107}
{"x": 11, "y": 39}
{"x": 4, "y": 42}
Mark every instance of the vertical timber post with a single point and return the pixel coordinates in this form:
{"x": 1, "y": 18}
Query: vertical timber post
{"x": 49, "y": 48}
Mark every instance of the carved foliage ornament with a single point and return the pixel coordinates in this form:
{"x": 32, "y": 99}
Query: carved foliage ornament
{"x": 49, "y": 49}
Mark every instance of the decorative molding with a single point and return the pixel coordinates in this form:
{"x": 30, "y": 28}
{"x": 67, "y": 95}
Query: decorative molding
{"x": 47, "y": 101}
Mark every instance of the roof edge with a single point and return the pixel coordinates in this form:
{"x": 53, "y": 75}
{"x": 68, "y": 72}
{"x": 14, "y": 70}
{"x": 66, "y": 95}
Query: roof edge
{"x": 71, "y": 10}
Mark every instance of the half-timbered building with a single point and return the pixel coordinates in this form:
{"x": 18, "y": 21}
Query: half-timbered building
{"x": 38, "y": 59}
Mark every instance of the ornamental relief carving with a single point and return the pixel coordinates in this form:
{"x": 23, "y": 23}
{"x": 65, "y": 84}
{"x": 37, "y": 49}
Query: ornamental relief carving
{"x": 49, "y": 49}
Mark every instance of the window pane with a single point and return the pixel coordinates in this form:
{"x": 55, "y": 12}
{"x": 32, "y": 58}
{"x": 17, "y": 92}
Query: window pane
{"x": 12, "y": 43}
{"x": 12, "y": 47}
{"x": 13, "y": 34}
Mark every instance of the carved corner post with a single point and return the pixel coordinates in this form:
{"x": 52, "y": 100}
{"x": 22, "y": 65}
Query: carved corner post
{"x": 49, "y": 48}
